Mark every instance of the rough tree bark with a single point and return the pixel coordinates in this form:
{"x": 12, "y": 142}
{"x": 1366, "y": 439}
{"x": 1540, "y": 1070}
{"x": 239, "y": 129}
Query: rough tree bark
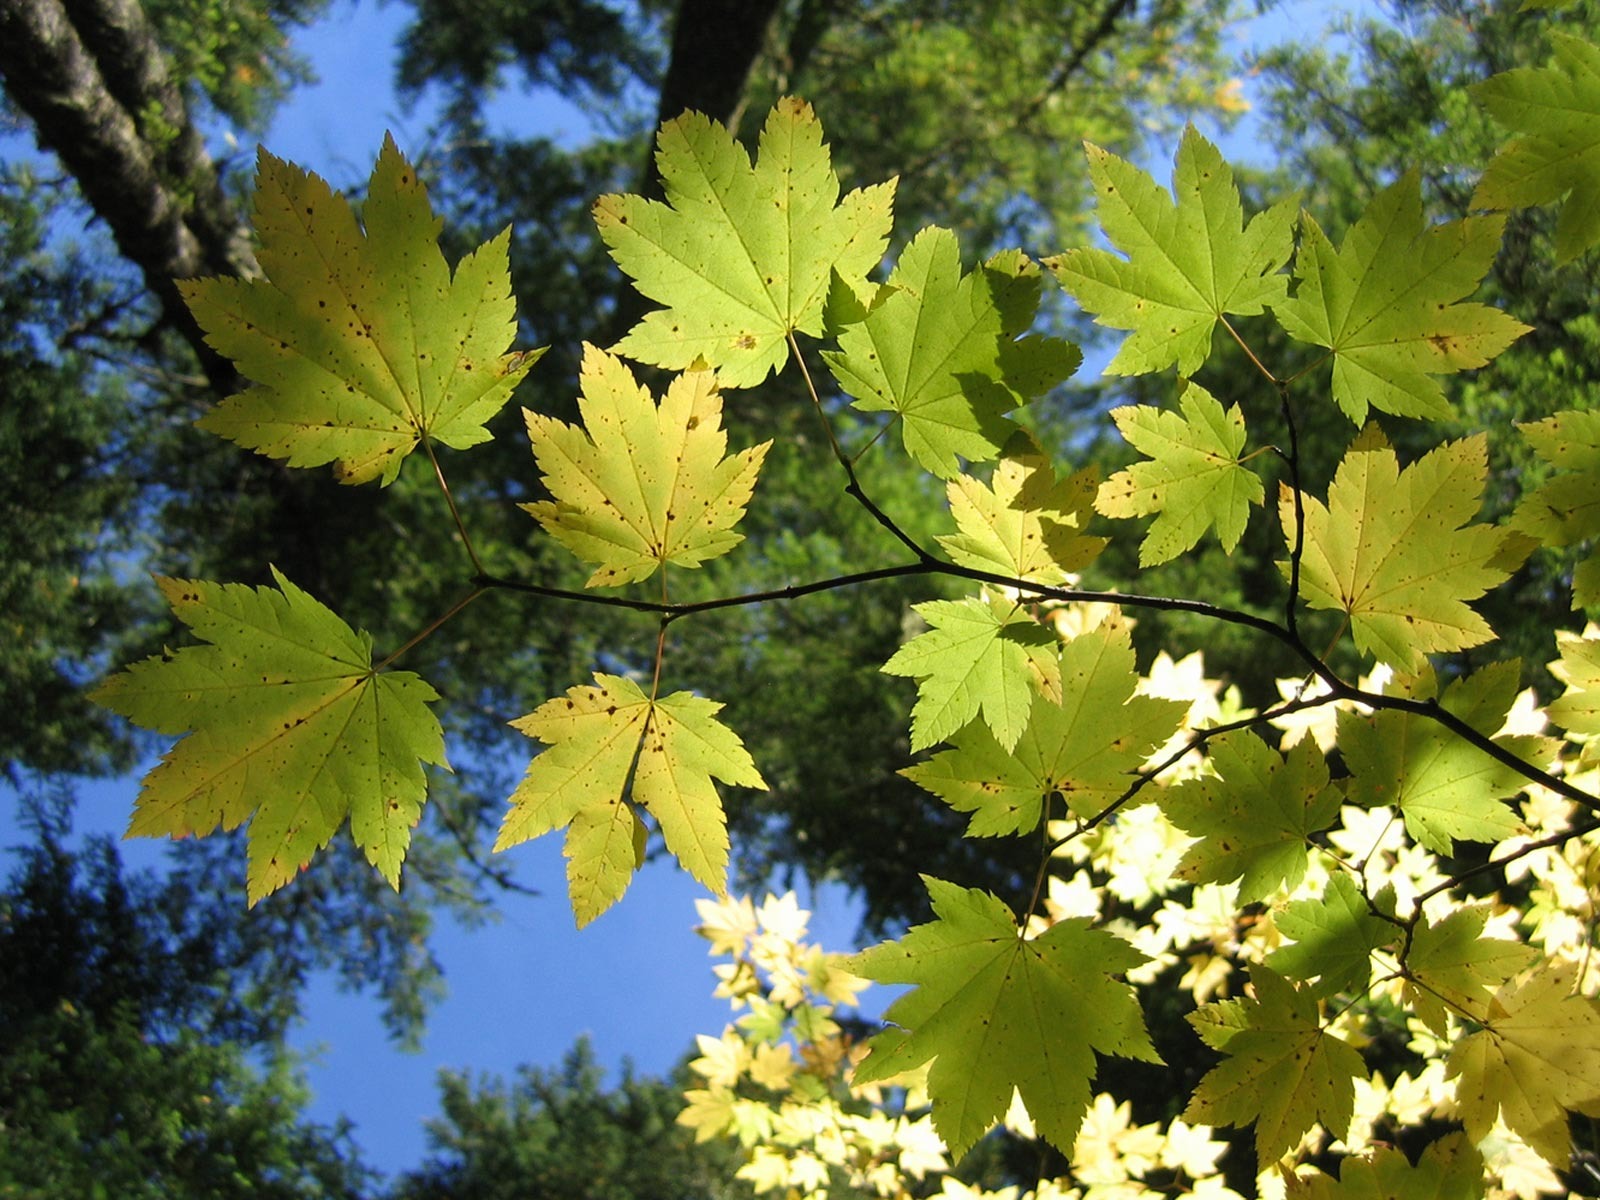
{"x": 91, "y": 76}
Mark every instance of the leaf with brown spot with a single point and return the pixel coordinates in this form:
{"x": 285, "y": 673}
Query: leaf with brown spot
{"x": 741, "y": 254}
{"x": 359, "y": 342}
{"x": 639, "y": 485}
{"x": 287, "y": 726}
{"x": 611, "y": 752}
{"x": 1282, "y": 1070}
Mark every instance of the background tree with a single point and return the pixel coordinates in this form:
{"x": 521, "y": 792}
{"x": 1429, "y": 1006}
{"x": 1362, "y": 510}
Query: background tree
{"x": 140, "y": 1041}
{"x": 560, "y": 1133}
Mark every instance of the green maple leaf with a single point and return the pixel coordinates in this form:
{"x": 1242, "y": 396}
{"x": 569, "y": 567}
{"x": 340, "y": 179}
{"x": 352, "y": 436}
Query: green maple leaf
{"x": 1193, "y": 479}
{"x": 1394, "y": 549}
{"x": 1566, "y": 508}
{"x": 610, "y": 750}
{"x": 1449, "y": 1169}
{"x": 1024, "y": 524}
{"x": 1190, "y": 257}
{"x": 640, "y": 485}
{"x": 1083, "y": 744}
{"x": 1536, "y": 1058}
{"x": 1385, "y": 304}
{"x": 1444, "y": 787}
{"x": 1451, "y": 965}
{"x": 360, "y": 345}
{"x": 1558, "y": 108}
{"x": 997, "y": 1013}
{"x": 742, "y": 255}
{"x": 980, "y": 656}
{"x": 287, "y": 725}
{"x": 944, "y": 352}
{"x": 1255, "y": 816}
{"x": 1283, "y": 1071}
{"x": 1333, "y": 938}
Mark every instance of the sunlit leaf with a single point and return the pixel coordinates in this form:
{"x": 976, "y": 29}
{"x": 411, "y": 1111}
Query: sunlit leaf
{"x": 946, "y": 352}
{"x": 1558, "y": 109}
{"x": 997, "y": 1012}
{"x": 610, "y": 751}
{"x": 1386, "y": 304}
{"x": 359, "y": 342}
{"x": 1190, "y": 257}
{"x": 1192, "y": 479}
{"x": 741, "y": 255}
{"x": 288, "y": 725}
{"x": 638, "y": 486}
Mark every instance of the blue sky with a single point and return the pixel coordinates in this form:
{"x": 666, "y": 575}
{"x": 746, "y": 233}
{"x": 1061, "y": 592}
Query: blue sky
{"x": 637, "y": 982}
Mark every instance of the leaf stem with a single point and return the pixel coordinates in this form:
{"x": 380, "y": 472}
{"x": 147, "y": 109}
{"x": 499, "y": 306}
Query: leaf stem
{"x": 432, "y": 627}
{"x": 449, "y": 499}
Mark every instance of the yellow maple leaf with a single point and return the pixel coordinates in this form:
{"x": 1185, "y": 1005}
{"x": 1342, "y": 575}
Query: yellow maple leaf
{"x": 639, "y": 485}
{"x": 612, "y": 747}
{"x": 1536, "y": 1058}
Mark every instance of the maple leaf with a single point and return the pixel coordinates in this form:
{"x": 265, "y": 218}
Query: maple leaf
{"x": 1025, "y": 524}
{"x": 1558, "y": 108}
{"x": 944, "y": 351}
{"x": 743, "y": 255}
{"x": 1449, "y": 1169}
{"x": 610, "y": 748}
{"x": 1385, "y": 304}
{"x": 1444, "y": 787}
{"x": 998, "y": 1013}
{"x": 1083, "y": 744}
{"x": 1193, "y": 479}
{"x": 1578, "y": 708}
{"x": 1190, "y": 257}
{"x": 1393, "y": 548}
{"x": 1565, "y": 509}
{"x": 1283, "y": 1070}
{"x": 1451, "y": 963}
{"x": 1254, "y": 816}
{"x": 640, "y": 485}
{"x": 287, "y": 725}
{"x": 1536, "y": 1057}
{"x": 360, "y": 345}
{"x": 981, "y": 656}
{"x": 1334, "y": 937}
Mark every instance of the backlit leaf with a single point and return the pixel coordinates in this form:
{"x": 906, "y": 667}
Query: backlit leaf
{"x": 1024, "y": 524}
{"x": 1385, "y": 303}
{"x": 1451, "y": 966}
{"x": 1578, "y": 708}
{"x": 1449, "y": 1169}
{"x": 287, "y": 725}
{"x": 1558, "y": 109}
{"x": 1192, "y": 479}
{"x": 1283, "y": 1071}
{"x": 638, "y": 485}
{"x": 946, "y": 352}
{"x": 1255, "y": 816}
{"x": 1565, "y": 509}
{"x": 359, "y": 342}
{"x": 1394, "y": 549}
{"x": 1536, "y": 1058}
{"x": 1444, "y": 787}
{"x": 1083, "y": 745}
{"x": 611, "y": 751}
{"x": 998, "y": 1013}
{"x": 1190, "y": 257}
{"x": 980, "y": 657}
{"x": 742, "y": 255}
{"x": 1333, "y": 938}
